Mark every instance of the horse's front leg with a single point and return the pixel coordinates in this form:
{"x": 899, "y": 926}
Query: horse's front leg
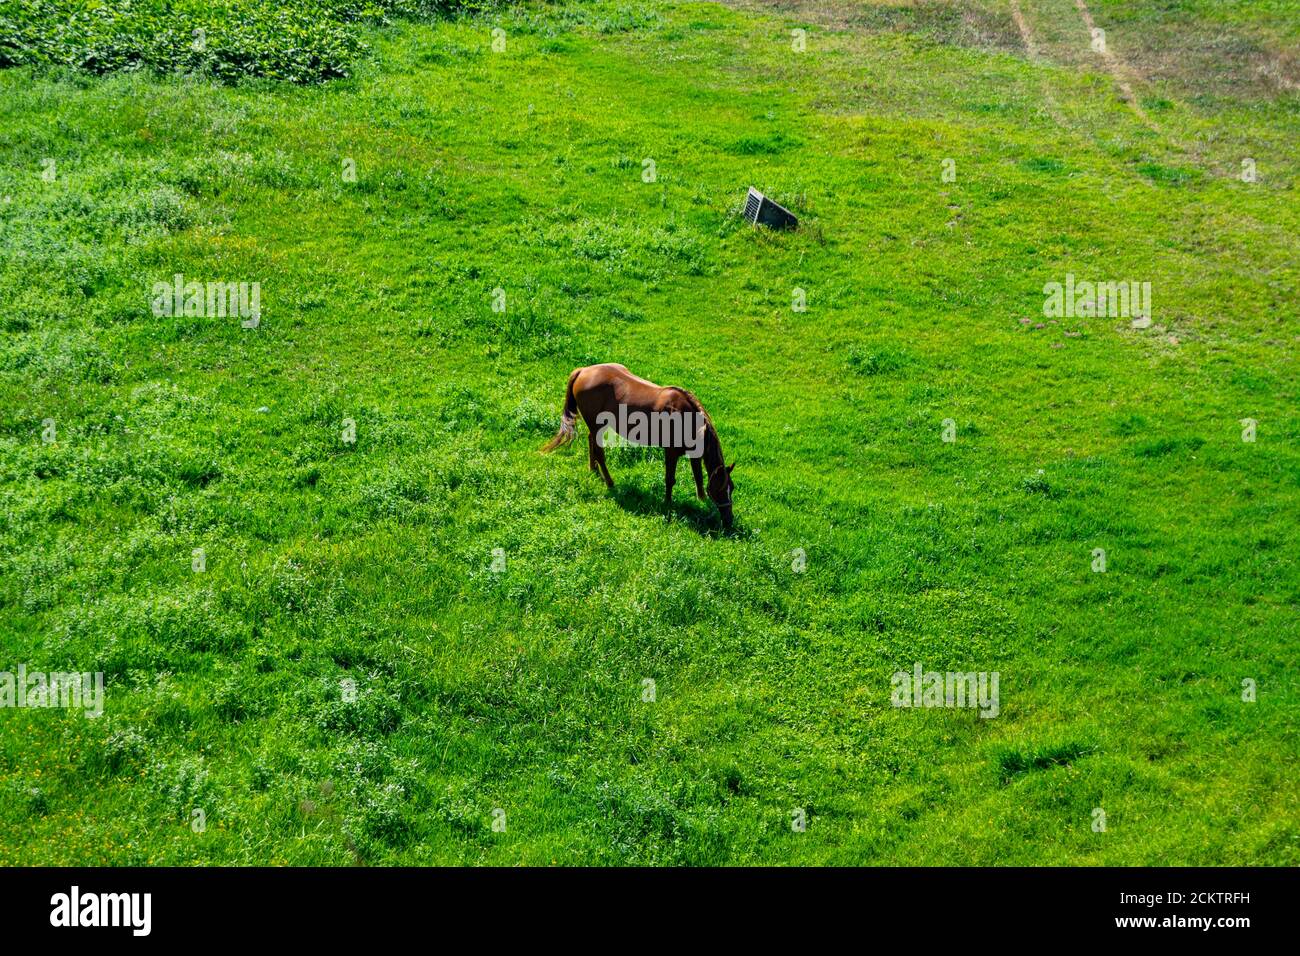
{"x": 671, "y": 457}
{"x": 697, "y": 469}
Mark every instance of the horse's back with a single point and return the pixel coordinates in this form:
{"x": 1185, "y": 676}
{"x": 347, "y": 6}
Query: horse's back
{"x": 611, "y": 373}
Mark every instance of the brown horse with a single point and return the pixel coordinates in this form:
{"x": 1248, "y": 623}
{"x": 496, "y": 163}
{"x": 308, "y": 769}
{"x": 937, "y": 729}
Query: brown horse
{"x": 612, "y": 399}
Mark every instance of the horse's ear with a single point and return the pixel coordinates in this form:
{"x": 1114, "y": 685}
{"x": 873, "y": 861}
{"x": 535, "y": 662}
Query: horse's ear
{"x": 731, "y": 466}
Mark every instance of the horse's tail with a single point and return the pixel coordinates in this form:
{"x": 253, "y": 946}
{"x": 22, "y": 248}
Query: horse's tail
{"x": 567, "y": 432}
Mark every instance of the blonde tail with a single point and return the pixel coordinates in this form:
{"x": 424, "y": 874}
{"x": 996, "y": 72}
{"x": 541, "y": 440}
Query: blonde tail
{"x": 568, "y": 430}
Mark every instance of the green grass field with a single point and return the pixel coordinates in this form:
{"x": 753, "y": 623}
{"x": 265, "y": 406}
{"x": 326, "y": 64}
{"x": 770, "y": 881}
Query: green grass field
{"x": 501, "y": 716}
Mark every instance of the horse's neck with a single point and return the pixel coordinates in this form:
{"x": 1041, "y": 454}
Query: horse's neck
{"x": 712, "y": 449}
{"x": 712, "y": 445}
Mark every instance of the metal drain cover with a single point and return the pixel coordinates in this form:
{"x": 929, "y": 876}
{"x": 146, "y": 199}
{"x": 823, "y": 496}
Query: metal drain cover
{"x": 761, "y": 211}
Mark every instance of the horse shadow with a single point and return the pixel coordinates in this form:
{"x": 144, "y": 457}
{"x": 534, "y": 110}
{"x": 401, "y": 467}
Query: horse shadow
{"x": 644, "y": 501}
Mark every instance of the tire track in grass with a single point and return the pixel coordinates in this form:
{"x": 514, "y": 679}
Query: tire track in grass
{"x": 1121, "y": 74}
{"x": 1031, "y": 48}
{"x": 1115, "y": 67}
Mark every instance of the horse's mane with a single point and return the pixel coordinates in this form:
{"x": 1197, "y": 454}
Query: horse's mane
{"x": 695, "y": 403}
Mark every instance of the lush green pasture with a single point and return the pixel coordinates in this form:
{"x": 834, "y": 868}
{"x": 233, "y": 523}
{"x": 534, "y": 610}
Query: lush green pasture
{"x": 523, "y": 690}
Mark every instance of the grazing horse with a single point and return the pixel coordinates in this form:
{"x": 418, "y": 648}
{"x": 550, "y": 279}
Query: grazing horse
{"x": 610, "y": 398}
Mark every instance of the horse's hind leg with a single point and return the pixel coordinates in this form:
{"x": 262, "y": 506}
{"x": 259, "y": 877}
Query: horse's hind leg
{"x": 598, "y": 452}
{"x": 595, "y": 450}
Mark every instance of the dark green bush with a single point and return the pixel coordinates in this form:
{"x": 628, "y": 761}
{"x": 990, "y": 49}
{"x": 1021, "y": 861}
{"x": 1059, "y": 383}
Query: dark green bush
{"x": 303, "y": 41}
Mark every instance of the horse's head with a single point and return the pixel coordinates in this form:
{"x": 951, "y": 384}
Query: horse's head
{"x": 720, "y": 489}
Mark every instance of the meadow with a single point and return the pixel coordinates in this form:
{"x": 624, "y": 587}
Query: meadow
{"x": 347, "y": 614}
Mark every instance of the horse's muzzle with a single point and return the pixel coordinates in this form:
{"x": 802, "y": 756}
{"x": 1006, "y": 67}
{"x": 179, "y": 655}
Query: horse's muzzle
{"x": 725, "y": 511}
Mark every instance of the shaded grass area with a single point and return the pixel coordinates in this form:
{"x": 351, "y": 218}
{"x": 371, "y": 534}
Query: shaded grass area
{"x": 523, "y": 690}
